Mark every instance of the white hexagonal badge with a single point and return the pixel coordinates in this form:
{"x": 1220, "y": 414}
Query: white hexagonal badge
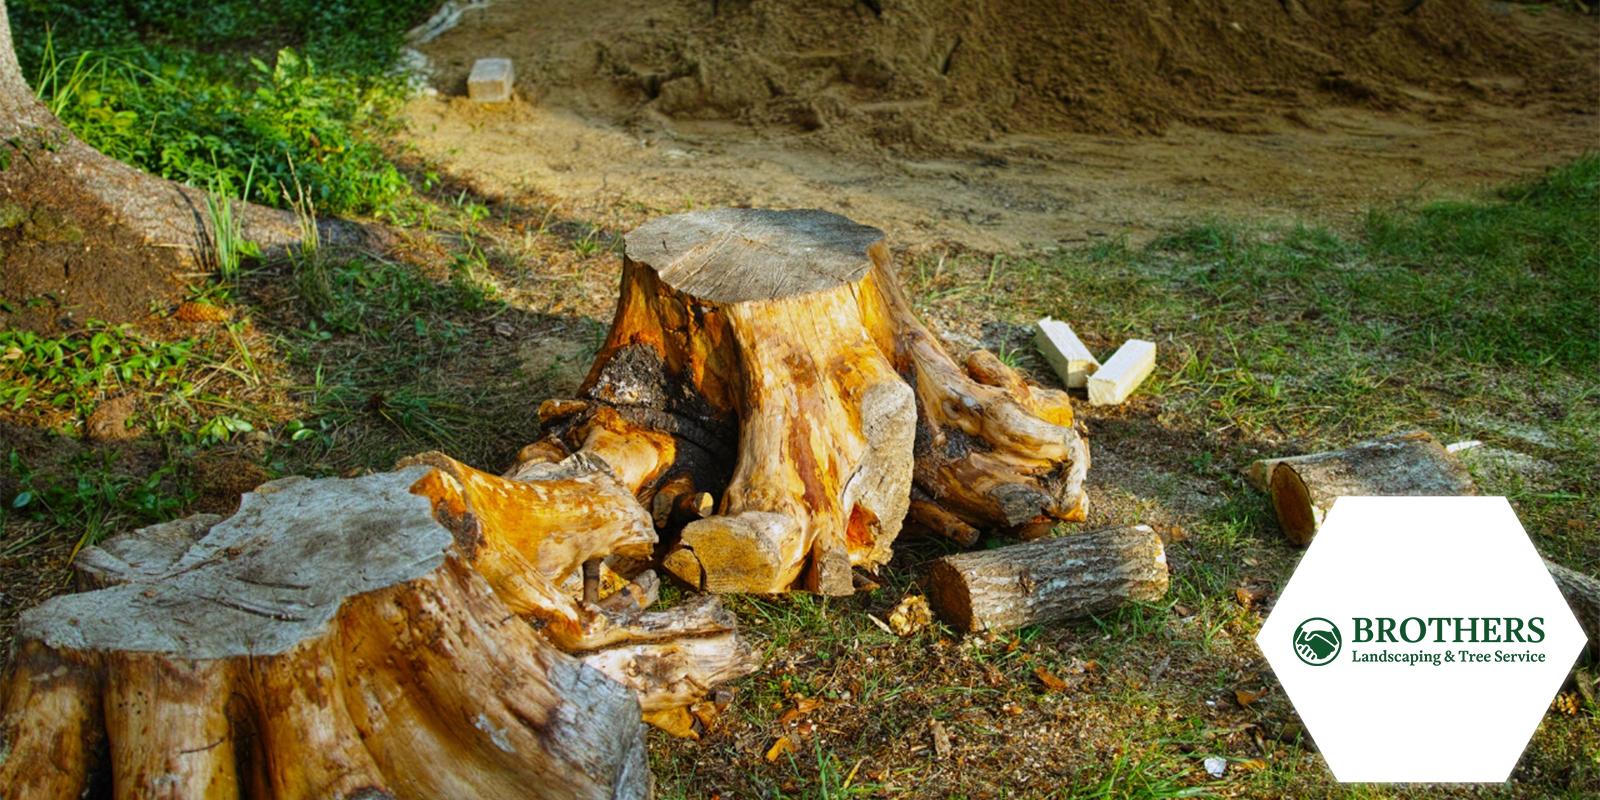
{"x": 1421, "y": 639}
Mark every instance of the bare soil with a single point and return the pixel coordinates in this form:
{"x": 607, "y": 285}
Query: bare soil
{"x": 66, "y": 261}
{"x": 1006, "y": 125}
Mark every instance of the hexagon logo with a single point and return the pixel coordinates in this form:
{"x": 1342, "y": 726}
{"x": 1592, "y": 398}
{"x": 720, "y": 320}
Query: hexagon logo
{"x": 1421, "y": 639}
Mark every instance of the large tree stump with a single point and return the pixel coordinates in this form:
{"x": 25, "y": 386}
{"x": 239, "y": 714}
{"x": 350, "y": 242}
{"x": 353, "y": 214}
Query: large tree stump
{"x": 1304, "y": 488}
{"x": 363, "y": 638}
{"x": 326, "y": 641}
{"x": 1059, "y": 578}
{"x": 770, "y": 360}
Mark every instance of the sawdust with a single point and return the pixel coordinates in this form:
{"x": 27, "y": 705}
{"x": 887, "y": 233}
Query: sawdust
{"x": 1000, "y": 125}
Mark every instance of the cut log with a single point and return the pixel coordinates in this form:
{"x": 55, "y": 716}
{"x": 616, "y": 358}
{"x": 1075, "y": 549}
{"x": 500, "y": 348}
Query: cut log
{"x": 1072, "y": 361}
{"x": 768, "y": 360}
{"x": 1122, "y": 373}
{"x": 1051, "y": 579}
{"x": 329, "y": 640}
{"x": 1304, "y": 488}
{"x": 1583, "y": 596}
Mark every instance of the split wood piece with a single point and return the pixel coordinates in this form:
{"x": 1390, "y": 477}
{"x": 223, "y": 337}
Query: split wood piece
{"x": 1072, "y": 361}
{"x": 1051, "y": 579}
{"x": 1304, "y": 488}
{"x": 326, "y": 641}
{"x": 992, "y": 450}
{"x": 1583, "y": 595}
{"x": 528, "y": 536}
{"x": 1122, "y": 373}
{"x": 529, "y": 539}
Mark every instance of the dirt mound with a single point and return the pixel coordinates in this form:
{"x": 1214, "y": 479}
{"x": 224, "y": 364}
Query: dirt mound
{"x": 926, "y": 74}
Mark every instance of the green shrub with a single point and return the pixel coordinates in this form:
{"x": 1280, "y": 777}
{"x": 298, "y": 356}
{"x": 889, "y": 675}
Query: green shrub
{"x": 183, "y": 90}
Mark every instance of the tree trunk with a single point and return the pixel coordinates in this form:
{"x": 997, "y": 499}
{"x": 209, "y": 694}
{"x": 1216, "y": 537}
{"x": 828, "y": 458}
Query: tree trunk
{"x": 361, "y": 638}
{"x": 1060, "y": 578}
{"x": 90, "y": 236}
{"x": 1304, "y": 488}
{"x": 770, "y": 360}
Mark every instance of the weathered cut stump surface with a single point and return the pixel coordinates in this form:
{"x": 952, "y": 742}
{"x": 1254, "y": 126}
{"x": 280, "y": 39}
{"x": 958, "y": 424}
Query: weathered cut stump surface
{"x": 768, "y": 359}
{"x": 327, "y": 641}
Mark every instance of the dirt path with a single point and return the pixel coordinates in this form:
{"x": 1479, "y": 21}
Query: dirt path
{"x": 584, "y": 133}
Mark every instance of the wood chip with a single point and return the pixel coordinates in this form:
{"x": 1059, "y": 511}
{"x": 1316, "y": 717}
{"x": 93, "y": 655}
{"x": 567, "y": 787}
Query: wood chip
{"x": 941, "y": 739}
{"x": 783, "y": 745}
{"x": 1160, "y": 668}
{"x": 912, "y": 615}
{"x": 1050, "y": 681}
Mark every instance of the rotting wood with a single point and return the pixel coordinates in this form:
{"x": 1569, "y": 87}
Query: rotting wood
{"x": 769, "y": 360}
{"x": 329, "y": 640}
{"x": 1304, "y": 488}
{"x": 1050, "y": 579}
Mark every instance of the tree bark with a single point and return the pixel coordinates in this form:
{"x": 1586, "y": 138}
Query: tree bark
{"x": 1050, "y": 579}
{"x": 92, "y": 235}
{"x": 1583, "y": 595}
{"x": 770, "y": 360}
{"x": 327, "y": 641}
{"x": 363, "y": 638}
{"x": 1304, "y": 488}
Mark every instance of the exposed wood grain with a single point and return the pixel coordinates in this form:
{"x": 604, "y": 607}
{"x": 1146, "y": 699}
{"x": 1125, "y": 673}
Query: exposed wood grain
{"x": 1304, "y": 488}
{"x": 769, "y": 360}
{"x": 1051, "y": 579}
{"x": 328, "y": 640}
{"x": 736, "y": 255}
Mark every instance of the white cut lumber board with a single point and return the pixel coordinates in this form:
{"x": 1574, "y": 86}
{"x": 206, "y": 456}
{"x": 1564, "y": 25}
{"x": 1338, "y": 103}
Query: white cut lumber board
{"x": 1060, "y": 346}
{"x": 490, "y": 81}
{"x": 1119, "y": 376}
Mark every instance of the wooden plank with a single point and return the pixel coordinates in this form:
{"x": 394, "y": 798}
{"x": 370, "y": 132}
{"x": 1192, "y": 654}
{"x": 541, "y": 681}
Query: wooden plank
{"x": 1071, "y": 360}
{"x": 1118, "y": 377}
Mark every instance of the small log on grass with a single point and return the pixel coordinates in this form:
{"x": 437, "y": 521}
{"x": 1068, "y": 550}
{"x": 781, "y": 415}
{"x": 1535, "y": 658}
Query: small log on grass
{"x": 1050, "y": 579}
{"x": 329, "y": 640}
{"x": 1304, "y": 488}
{"x": 1583, "y": 595}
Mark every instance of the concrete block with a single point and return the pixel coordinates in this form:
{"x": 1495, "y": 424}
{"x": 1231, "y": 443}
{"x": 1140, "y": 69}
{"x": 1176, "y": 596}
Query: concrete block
{"x": 490, "y": 81}
{"x": 1118, "y": 377}
{"x": 1060, "y": 346}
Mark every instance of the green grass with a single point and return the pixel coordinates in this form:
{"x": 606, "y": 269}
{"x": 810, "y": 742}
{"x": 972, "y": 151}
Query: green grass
{"x": 1472, "y": 320}
{"x": 188, "y": 91}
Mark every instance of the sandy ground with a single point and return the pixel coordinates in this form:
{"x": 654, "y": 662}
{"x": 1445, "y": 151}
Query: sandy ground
{"x": 1287, "y": 158}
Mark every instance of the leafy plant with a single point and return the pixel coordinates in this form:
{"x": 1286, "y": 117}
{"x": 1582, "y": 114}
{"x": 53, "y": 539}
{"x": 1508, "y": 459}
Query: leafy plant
{"x": 71, "y": 371}
{"x": 197, "y": 119}
{"x": 99, "y": 498}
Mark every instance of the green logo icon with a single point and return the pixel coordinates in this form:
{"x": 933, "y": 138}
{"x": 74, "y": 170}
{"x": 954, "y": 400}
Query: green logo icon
{"x": 1317, "y": 641}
